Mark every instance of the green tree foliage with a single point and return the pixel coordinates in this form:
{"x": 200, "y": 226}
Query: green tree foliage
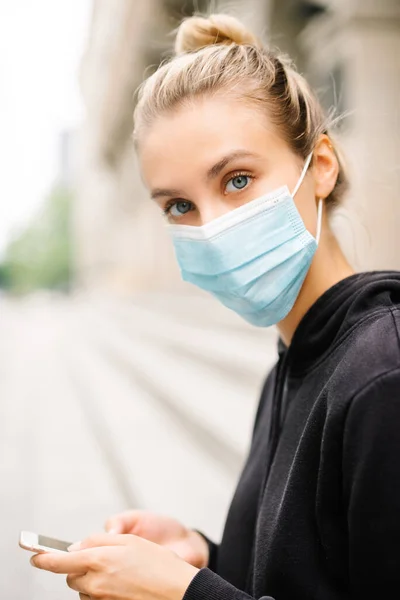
{"x": 40, "y": 255}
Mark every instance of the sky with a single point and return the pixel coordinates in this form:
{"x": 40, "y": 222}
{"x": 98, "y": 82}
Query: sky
{"x": 41, "y": 43}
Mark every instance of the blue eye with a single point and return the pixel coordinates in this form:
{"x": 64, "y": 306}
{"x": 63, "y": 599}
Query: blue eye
{"x": 177, "y": 209}
{"x": 239, "y": 183}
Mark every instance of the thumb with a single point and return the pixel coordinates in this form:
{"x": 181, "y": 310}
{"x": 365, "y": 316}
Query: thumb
{"x": 101, "y": 539}
{"x": 114, "y": 525}
{"x": 123, "y": 522}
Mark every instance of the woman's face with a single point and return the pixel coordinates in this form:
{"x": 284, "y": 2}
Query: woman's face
{"x": 214, "y": 155}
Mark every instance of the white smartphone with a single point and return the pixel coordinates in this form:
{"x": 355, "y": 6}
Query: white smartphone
{"x": 41, "y": 543}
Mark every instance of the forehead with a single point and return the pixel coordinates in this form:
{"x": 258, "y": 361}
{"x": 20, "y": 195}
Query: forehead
{"x": 190, "y": 138}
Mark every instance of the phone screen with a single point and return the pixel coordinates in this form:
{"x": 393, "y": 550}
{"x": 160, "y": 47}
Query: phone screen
{"x": 53, "y": 543}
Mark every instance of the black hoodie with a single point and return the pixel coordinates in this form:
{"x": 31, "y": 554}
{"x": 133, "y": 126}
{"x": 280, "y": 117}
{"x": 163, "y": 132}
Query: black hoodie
{"x": 316, "y": 513}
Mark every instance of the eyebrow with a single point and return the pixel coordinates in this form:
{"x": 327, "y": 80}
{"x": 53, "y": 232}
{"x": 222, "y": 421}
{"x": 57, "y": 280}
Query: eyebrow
{"x": 221, "y": 164}
{"x": 158, "y": 192}
{"x": 213, "y": 172}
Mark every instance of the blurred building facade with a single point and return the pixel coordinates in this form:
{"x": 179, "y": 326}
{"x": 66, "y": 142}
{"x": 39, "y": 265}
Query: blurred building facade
{"x": 348, "y": 49}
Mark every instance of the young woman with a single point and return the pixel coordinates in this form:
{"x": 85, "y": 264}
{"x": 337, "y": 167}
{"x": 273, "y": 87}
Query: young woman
{"x": 235, "y": 149}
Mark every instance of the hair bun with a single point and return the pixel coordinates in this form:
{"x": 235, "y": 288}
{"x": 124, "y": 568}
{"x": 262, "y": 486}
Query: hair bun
{"x": 197, "y": 32}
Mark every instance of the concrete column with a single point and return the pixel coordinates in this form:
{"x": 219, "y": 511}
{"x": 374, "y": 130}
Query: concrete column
{"x": 255, "y": 14}
{"x": 373, "y": 139}
{"x": 120, "y": 243}
{"x": 353, "y": 48}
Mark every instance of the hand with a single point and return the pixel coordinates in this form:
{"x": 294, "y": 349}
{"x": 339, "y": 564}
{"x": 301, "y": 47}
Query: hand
{"x": 162, "y": 530}
{"x": 120, "y": 567}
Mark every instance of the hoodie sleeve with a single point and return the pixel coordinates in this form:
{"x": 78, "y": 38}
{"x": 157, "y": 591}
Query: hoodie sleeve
{"x": 212, "y": 551}
{"x": 207, "y": 585}
{"x": 371, "y": 486}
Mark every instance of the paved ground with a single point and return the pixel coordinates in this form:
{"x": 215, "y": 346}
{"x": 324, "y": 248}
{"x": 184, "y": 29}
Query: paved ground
{"x": 107, "y": 405}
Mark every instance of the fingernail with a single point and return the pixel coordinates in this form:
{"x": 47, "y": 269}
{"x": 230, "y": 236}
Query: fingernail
{"x": 74, "y": 546}
{"x": 112, "y": 531}
{"x": 32, "y": 561}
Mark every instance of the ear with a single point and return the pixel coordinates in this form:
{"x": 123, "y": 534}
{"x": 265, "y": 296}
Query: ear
{"x": 325, "y": 167}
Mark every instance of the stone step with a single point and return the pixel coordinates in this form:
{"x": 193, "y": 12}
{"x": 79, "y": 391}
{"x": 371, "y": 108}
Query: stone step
{"x": 222, "y": 406}
{"x": 237, "y": 356}
{"x": 169, "y": 469}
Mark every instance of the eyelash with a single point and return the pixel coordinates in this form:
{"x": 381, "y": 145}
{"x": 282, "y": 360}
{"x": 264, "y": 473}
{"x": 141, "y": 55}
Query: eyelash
{"x": 172, "y": 203}
{"x": 239, "y": 174}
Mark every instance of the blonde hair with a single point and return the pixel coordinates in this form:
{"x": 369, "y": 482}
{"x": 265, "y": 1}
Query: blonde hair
{"x": 218, "y": 54}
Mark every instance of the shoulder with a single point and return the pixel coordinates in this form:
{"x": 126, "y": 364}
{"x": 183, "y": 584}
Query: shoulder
{"x": 371, "y": 441}
{"x": 371, "y": 351}
{"x": 380, "y": 396}
{"x": 373, "y": 408}
{"x": 377, "y": 330}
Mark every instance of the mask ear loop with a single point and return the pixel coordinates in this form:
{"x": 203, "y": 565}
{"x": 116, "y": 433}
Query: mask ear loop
{"x": 320, "y": 201}
{"x": 304, "y": 171}
{"x": 319, "y": 220}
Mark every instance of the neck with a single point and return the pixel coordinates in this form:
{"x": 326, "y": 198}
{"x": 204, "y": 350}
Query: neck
{"x": 329, "y": 266}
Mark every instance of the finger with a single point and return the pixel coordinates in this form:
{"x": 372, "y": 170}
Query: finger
{"x": 114, "y": 525}
{"x": 84, "y": 584}
{"x": 65, "y": 562}
{"x": 122, "y": 522}
{"x": 78, "y": 583}
{"x": 72, "y": 582}
{"x": 104, "y": 539}
{"x": 84, "y": 597}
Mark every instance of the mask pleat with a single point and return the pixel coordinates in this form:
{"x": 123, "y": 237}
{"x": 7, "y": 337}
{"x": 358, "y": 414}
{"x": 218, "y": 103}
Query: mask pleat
{"x": 254, "y": 259}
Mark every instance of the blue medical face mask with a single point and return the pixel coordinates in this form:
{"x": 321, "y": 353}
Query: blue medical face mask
{"x": 254, "y": 258}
